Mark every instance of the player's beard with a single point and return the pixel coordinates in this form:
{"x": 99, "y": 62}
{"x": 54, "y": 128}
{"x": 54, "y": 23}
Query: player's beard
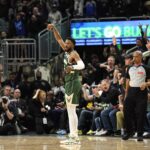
{"x": 68, "y": 49}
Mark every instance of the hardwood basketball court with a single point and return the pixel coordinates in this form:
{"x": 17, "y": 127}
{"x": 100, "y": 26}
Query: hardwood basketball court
{"x": 51, "y": 142}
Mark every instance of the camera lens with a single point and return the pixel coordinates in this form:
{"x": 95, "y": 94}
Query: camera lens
{"x": 4, "y": 100}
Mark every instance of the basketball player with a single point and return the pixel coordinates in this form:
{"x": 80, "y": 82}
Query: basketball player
{"x": 72, "y": 65}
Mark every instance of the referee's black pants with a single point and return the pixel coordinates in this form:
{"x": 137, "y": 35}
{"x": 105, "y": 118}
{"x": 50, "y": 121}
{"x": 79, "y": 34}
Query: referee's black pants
{"x": 135, "y": 106}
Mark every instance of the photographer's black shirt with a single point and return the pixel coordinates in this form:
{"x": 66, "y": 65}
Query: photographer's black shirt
{"x": 13, "y": 110}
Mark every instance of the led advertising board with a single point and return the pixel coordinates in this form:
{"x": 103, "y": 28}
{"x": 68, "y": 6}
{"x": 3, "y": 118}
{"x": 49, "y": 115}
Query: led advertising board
{"x": 101, "y": 33}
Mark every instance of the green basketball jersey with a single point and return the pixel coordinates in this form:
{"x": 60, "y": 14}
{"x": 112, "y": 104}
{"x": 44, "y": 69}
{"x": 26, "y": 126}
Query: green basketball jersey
{"x": 73, "y": 74}
{"x": 72, "y": 83}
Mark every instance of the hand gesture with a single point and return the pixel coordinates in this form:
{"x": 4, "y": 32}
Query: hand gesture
{"x": 114, "y": 40}
{"x": 50, "y": 27}
{"x": 143, "y": 86}
{"x": 68, "y": 69}
{"x": 5, "y": 106}
{"x": 91, "y": 108}
{"x": 140, "y": 26}
{"x": 43, "y": 110}
{"x": 121, "y": 107}
{"x": 116, "y": 71}
{"x": 147, "y": 25}
{"x": 108, "y": 68}
{"x": 61, "y": 104}
{"x": 86, "y": 86}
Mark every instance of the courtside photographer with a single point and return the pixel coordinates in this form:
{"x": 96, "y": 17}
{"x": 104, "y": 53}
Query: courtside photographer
{"x": 7, "y": 117}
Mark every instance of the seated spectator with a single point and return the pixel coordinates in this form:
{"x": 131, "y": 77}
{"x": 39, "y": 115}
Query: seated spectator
{"x": 63, "y": 123}
{"x": 40, "y": 113}
{"x": 85, "y": 117}
{"x": 8, "y": 117}
{"x": 12, "y": 81}
{"x": 56, "y": 111}
{"x": 93, "y": 112}
{"x": 118, "y": 83}
{"x": 110, "y": 96}
{"x": 22, "y": 111}
{"x": 7, "y": 92}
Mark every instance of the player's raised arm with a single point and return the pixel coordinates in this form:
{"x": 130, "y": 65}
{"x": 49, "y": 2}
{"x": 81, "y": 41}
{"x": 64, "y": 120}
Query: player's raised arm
{"x": 58, "y": 37}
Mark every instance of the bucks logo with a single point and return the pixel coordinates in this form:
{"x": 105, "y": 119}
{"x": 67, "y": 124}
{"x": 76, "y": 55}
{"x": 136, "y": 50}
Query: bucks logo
{"x": 69, "y": 98}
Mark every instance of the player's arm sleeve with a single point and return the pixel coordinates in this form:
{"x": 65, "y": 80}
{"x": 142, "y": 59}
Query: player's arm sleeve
{"x": 79, "y": 66}
{"x": 79, "y": 62}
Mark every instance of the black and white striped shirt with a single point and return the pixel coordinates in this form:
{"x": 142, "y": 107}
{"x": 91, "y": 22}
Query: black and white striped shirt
{"x": 138, "y": 75}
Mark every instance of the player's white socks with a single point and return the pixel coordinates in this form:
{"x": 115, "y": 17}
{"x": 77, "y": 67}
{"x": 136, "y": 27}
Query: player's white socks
{"x": 73, "y": 120}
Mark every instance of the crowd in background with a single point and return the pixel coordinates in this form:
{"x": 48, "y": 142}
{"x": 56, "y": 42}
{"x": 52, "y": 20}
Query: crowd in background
{"x": 24, "y": 18}
{"x": 39, "y": 106}
{"x": 25, "y": 108}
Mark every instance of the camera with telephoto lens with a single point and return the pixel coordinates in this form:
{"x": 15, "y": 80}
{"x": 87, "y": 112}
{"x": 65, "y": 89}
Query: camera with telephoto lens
{"x": 4, "y": 100}
{"x": 47, "y": 107}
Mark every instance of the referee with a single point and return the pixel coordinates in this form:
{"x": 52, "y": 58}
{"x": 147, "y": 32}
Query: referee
{"x": 135, "y": 104}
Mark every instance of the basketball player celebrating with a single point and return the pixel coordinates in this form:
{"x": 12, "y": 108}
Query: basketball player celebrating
{"x": 72, "y": 65}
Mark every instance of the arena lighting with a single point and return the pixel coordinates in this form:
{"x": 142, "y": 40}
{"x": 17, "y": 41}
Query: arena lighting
{"x": 101, "y": 33}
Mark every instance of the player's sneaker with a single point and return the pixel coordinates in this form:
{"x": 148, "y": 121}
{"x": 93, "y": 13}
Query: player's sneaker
{"x": 71, "y": 141}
